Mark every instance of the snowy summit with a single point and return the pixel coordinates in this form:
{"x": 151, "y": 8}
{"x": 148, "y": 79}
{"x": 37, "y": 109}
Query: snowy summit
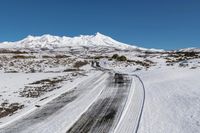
{"x": 52, "y": 42}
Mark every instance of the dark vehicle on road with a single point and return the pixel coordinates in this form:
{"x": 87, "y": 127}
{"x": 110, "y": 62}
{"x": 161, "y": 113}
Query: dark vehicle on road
{"x": 97, "y": 64}
{"x": 119, "y": 78}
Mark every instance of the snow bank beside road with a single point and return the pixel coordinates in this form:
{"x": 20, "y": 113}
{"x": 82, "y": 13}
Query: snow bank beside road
{"x": 172, "y": 102}
{"x": 13, "y": 82}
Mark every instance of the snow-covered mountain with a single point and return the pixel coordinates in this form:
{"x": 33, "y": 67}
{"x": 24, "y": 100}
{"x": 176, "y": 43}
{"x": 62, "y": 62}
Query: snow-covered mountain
{"x": 53, "y": 42}
{"x": 190, "y": 50}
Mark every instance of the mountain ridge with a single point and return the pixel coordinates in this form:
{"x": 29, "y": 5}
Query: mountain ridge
{"x": 51, "y": 42}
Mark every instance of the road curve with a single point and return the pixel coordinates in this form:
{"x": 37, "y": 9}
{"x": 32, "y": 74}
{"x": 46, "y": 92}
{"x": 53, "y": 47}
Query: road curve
{"x": 141, "y": 111}
{"x": 130, "y": 120}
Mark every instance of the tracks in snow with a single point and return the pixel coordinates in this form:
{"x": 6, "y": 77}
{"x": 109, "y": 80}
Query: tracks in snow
{"x": 130, "y": 120}
{"x": 97, "y": 106}
{"x": 104, "y": 114}
{"x": 50, "y": 108}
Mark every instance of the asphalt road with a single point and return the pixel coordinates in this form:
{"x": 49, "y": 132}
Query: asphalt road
{"x": 51, "y": 108}
{"x": 104, "y": 114}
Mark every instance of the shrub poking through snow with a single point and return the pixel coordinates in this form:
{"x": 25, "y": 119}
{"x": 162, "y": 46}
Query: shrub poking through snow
{"x": 23, "y": 57}
{"x": 115, "y": 56}
{"x": 40, "y": 87}
{"x": 119, "y": 58}
{"x": 122, "y": 58}
{"x": 8, "y": 109}
{"x": 79, "y": 64}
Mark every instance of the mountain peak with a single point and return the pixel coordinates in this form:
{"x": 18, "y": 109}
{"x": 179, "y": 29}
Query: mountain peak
{"x": 99, "y": 34}
{"x": 47, "y": 36}
{"x": 29, "y": 37}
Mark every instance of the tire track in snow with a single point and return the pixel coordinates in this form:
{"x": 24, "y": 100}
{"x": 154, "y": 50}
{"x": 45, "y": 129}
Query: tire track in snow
{"x": 131, "y": 116}
{"x": 50, "y": 108}
{"x": 105, "y": 112}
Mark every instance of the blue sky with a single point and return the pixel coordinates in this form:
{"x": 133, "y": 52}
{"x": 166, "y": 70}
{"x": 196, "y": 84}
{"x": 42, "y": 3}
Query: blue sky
{"x": 167, "y": 24}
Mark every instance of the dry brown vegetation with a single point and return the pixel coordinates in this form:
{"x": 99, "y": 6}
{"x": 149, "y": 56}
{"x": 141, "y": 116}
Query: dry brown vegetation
{"x": 180, "y": 56}
{"x": 79, "y": 64}
{"x": 145, "y": 63}
{"x": 23, "y": 57}
{"x": 8, "y": 109}
{"x": 38, "y": 88}
{"x": 6, "y": 51}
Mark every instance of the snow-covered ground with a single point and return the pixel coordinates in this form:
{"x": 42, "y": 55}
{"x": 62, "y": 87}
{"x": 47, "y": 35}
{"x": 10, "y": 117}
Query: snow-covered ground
{"x": 172, "y": 102}
{"x": 13, "y": 83}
